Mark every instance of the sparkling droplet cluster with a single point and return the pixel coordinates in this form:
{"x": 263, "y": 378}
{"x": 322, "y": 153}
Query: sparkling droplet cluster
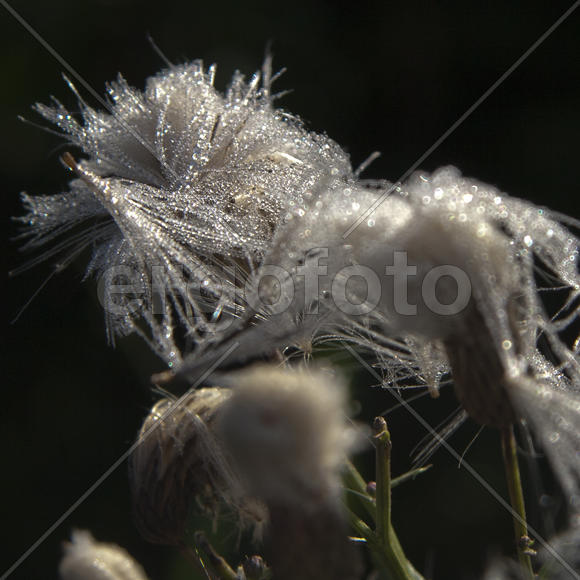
{"x": 181, "y": 181}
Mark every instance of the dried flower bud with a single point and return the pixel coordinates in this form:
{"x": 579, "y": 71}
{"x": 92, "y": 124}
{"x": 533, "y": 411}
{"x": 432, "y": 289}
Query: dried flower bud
{"x": 86, "y": 559}
{"x": 179, "y": 461}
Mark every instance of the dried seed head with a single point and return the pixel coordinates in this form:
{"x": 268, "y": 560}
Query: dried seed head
{"x": 180, "y": 185}
{"x": 504, "y": 348}
{"x": 86, "y": 559}
{"x": 179, "y": 461}
{"x": 288, "y": 434}
{"x": 469, "y": 296}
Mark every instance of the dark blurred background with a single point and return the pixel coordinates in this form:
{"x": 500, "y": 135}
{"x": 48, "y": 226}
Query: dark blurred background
{"x": 376, "y": 76}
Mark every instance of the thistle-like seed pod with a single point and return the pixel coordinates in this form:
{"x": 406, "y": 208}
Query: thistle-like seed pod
{"x": 181, "y": 186}
{"x": 180, "y": 465}
{"x": 288, "y": 435}
{"x": 86, "y": 559}
{"x": 287, "y": 432}
{"x": 447, "y": 260}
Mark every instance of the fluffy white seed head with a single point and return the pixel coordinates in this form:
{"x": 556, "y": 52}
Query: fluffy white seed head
{"x": 496, "y": 242}
{"x": 86, "y": 559}
{"x": 181, "y": 185}
{"x": 288, "y": 433}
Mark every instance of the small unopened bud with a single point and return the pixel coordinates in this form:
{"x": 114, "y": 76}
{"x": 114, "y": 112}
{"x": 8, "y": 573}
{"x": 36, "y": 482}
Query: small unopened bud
{"x": 86, "y": 559}
{"x": 255, "y": 568}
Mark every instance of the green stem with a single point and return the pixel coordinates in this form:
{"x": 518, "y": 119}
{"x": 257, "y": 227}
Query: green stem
{"x": 216, "y": 563}
{"x": 354, "y": 483}
{"x": 398, "y": 567}
{"x": 383, "y": 466}
{"x": 514, "y": 482}
{"x": 395, "y": 481}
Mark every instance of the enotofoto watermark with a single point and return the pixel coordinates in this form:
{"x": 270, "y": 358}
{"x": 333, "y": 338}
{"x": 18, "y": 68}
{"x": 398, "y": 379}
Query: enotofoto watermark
{"x": 355, "y": 290}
